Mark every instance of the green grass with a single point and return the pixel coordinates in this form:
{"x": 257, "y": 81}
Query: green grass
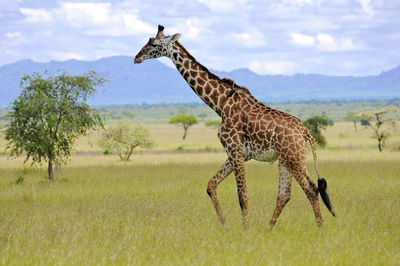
{"x": 154, "y": 210}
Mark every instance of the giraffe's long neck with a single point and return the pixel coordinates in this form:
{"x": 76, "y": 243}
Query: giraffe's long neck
{"x": 205, "y": 84}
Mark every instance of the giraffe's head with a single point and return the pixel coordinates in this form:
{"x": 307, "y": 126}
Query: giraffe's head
{"x": 156, "y": 47}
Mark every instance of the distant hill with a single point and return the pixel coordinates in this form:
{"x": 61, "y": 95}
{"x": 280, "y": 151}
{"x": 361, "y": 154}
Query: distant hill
{"x": 153, "y": 82}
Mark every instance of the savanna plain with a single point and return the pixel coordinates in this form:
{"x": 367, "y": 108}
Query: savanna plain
{"x": 154, "y": 210}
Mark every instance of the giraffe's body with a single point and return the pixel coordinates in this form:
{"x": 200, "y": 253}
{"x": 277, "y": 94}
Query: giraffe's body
{"x": 249, "y": 130}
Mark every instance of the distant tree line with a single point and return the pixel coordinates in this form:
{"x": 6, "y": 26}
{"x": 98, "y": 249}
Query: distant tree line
{"x": 161, "y": 113}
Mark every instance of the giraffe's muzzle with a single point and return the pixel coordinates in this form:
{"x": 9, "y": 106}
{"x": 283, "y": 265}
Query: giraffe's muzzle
{"x": 137, "y": 60}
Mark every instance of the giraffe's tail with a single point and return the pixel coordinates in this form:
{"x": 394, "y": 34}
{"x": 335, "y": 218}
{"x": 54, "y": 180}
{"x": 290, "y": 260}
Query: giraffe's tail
{"x": 322, "y": 184}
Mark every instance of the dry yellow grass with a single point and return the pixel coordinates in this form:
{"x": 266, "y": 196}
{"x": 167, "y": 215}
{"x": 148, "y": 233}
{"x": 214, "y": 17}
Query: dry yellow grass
{"x": 169, "y": 137}
{"x": 154, "y": 209}
{"x": 341, "y": 137}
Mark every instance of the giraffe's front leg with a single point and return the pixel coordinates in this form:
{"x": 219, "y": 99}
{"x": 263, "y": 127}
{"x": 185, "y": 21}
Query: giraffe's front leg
{"x": 237, "y": 161}
{"x": 232, "y": 138}
{"x": 225, "y": 170}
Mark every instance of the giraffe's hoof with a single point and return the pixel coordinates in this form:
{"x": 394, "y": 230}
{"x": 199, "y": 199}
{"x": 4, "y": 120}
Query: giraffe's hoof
{"x": 222, "y": 222}
{"x": 224, "y": 225}
{"x": 271, "y": 227}
{"x": 272, "y": 223}
{"x": 320, "y": 223}
{"x": 246, "y": 225}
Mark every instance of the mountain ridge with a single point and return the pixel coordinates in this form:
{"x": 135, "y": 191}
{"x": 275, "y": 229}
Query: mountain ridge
{"x": 153, "y": 82}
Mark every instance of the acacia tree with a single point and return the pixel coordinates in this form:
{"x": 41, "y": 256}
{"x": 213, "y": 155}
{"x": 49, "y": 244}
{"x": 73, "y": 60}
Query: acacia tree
{"x": 50, "y": 113}
{"x": 185, "y": 120}
{"x": 315, "y": 124}
{"x": 353, "y": 117}
{"x": 379, "y": 123}
{"x": 123, "y": 137}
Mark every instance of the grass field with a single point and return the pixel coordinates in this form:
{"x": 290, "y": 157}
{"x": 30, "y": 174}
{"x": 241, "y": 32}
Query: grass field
{"x": 169, "y": 138}
{"x": 154, "y": 209}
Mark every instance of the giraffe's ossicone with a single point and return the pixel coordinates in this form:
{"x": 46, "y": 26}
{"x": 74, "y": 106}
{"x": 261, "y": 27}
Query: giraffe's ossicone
{"x": 249, "y": 130}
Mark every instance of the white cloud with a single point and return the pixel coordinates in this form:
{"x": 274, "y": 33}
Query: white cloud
{"x": 132, "y": 25}
{"x": 302, "y": 39}
{"x": 250, "y": 40}
{"x": 222, "y": 5}
{"x": 13, "y": 35}
{"x": 347, "y": 45}
{"x": 327, "y": 43}
{"x": 36, "y": 15}
{"x": 366, "y": 7}
{"x": 15, "y": 38}
{"x": 351, "y": 66}
{"x": 62, "y": 56}
{"x": 83, "y": 14}
{"x": 298, "y": 2}
{"x": 190, "y": 28}
{"x": 218, "y": 5}
{"x": 271, "y": 67}
{"x": 102, "y": 19}
{"x": 324, "y": 42}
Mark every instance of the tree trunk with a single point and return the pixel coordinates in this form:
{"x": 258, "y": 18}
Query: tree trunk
{"x": 50, "y": 169}
{"x": 184, "y": 132}
{"x": 131, "y": 151}
{"x": 380, "y": 144}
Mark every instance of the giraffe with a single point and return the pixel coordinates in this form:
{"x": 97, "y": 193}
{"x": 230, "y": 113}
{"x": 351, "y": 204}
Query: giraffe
{"x": 249, "y": 130}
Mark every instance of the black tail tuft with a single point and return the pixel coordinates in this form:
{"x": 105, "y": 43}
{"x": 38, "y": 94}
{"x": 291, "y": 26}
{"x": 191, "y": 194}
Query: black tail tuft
{"x": 322, "y": 186}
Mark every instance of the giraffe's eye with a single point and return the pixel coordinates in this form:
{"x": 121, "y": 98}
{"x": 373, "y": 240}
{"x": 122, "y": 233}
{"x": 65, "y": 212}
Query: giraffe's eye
{"x": 153, "y": 45}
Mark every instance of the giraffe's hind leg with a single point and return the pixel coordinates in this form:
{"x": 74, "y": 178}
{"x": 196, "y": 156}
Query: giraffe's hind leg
{"x": 285, "y": 183}
{"x": 302, "y": 176}
{"x": 225, "y": 170}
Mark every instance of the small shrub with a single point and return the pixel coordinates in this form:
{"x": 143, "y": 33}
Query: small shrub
{"x": 180, "y": 148}
{"x": 21, "y": 174}
{"x": 20, "y": 179}
{"x": 123, "y": 137}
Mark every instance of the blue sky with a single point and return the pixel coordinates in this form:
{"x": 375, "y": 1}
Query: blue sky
{"x": 335, "y": 37}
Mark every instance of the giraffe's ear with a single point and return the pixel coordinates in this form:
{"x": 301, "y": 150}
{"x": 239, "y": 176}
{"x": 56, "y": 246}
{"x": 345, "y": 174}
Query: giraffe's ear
{"x": 176, "y": 37}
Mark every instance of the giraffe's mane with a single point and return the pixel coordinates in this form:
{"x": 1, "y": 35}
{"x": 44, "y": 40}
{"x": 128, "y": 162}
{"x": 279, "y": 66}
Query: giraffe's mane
{"x": 226, "y": 81}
